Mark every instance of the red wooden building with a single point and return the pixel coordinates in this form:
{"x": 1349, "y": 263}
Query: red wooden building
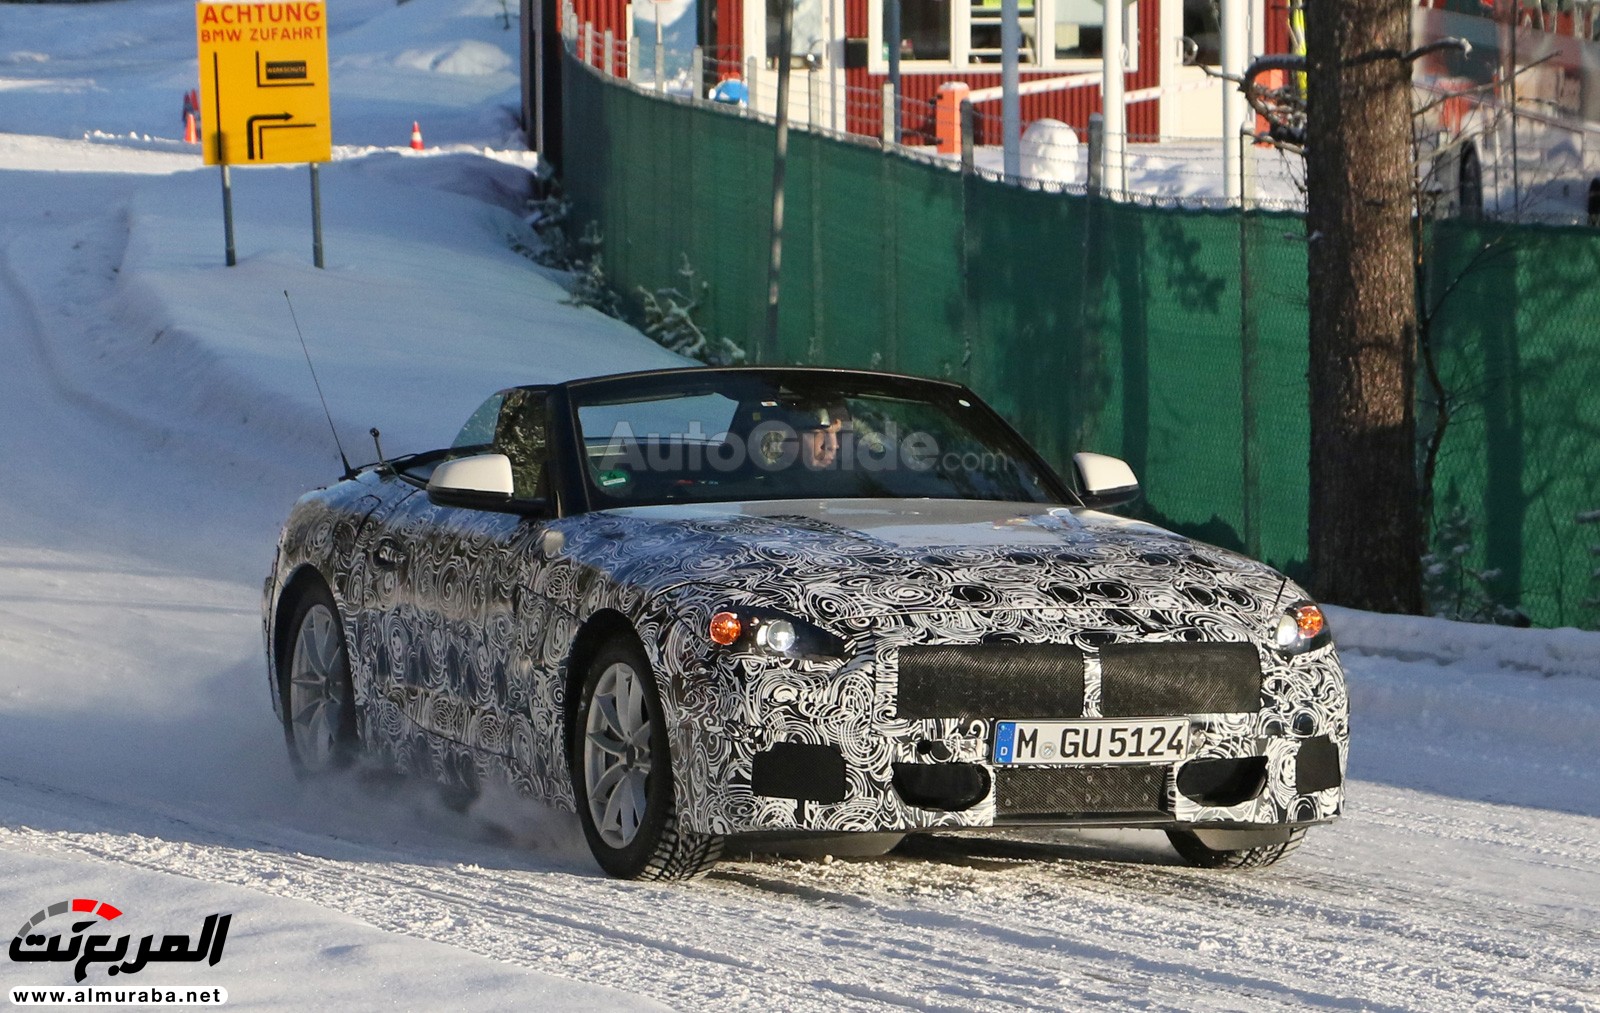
{"x": 840, "y": 56}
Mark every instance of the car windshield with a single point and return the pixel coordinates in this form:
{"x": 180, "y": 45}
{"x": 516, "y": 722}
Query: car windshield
{"x": 728, "y": 436}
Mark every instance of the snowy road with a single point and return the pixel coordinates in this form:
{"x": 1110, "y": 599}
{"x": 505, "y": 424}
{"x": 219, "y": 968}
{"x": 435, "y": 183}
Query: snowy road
{"x": 1414, "y": 903}
{"x": 155, "y": 424}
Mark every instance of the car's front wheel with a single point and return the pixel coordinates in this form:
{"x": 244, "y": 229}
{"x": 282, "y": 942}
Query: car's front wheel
{"x": 1235, "y": 849}
{"x": 319, "y": 713}
{"x": 622, "y": 773}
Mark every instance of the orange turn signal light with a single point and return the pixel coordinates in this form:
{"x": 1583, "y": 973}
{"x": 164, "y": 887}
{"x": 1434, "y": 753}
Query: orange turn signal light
{"x": 1308, "y": 618}
{"x": 725, "y": 628}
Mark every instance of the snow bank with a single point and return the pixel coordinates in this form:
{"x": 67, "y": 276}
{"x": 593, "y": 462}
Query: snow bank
{"x": 1563, "y": 652}
{"x": 422, "y": 312}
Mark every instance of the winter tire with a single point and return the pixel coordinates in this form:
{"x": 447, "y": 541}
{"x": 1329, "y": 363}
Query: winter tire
{"x": 1193, "y": 850}
{"x": 319, "y": 714}
{"x": 621, "y": 766}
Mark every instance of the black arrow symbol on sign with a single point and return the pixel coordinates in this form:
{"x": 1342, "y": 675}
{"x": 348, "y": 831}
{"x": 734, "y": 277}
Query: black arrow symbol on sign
{"x": 250, "y": 130}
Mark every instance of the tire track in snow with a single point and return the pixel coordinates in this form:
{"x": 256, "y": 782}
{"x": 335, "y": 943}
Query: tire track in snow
{"x": 563, "y": 923}
{"x": 936, "y": 933}
{"x": 28, "y": 330}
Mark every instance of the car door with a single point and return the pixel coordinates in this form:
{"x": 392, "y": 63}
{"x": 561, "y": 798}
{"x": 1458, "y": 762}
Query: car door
{"x": 467, "y": 573}
{"x": 371, "y": 581}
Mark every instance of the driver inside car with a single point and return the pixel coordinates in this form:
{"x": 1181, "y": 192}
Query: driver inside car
{"x": 820, "y": 431}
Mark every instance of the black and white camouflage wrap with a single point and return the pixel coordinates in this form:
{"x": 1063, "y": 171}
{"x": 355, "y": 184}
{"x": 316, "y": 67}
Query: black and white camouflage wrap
{"x": 461, "y": 625}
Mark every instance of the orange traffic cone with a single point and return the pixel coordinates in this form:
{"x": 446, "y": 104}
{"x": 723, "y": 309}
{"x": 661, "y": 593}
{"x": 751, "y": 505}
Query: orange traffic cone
{"x": 416, "y": 136}
{"x": 191, "y": 133}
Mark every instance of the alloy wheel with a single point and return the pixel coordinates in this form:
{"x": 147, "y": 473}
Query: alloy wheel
{"x": 317, "y": 691}
{"x": 616, "y": 755}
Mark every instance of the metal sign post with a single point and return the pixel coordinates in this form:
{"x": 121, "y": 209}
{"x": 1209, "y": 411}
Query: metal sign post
{"x": 229, "y": 256}
{"x": 316, "y": 215}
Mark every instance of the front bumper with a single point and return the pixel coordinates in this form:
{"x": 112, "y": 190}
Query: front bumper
{"x": 774, "y": 745}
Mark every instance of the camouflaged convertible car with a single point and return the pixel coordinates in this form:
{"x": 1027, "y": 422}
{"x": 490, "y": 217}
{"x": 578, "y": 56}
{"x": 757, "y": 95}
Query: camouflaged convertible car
{"x": 797, "y": 604}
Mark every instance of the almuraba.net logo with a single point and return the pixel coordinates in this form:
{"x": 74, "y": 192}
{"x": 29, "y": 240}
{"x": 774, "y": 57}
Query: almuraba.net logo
{"x": 80, "y": 933}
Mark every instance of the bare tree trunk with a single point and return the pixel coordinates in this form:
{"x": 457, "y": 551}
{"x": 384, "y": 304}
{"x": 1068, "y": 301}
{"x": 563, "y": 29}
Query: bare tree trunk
{"x": 1365, "y": 528}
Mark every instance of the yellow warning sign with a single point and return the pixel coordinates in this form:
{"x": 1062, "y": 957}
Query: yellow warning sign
{"x": 264, "y": 82}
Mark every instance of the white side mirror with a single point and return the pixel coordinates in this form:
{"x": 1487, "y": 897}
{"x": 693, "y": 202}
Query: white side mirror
{"x": 482, "y": 473}
{"x": 1105, "y": 481}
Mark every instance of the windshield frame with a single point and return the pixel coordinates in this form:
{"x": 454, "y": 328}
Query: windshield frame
{"x": 983, "y": 422}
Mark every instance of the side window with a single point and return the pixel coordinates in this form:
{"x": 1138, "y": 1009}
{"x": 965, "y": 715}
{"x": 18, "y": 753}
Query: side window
{"x": 520, "y": 433}
{"x": 479, "y": 430}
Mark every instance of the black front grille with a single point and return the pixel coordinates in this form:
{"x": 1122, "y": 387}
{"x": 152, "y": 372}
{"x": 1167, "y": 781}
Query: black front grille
{"x": 1081, "y": 791}
{"x": 986, "y": 680}
{"x": 1151, "y": 680}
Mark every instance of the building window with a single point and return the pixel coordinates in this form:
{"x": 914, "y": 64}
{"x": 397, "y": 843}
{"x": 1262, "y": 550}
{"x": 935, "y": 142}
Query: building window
{"x": 1079, "y": 27}
{"x": 962, "y": 34}
{"x": 1202, "y": 23}
{"x": 806, "y": 38}
{"x": 983, "y": 21}
{"x": 925, "y": 30}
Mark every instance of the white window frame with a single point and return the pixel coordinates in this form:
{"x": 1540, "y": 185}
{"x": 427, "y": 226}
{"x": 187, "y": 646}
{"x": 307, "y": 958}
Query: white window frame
{"x": 961, "y": 44}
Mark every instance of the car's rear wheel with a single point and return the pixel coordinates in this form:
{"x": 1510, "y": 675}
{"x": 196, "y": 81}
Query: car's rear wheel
{"x": 1234, "y": 849}
{"x": 622, "y": 773}
{"x": 319, "y": 714}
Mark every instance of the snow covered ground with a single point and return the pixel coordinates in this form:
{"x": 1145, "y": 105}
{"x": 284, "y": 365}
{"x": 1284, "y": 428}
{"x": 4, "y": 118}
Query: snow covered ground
{"x": 156, "y": 422}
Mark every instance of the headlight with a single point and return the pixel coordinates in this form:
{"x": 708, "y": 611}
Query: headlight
{"x": 777, "y": 635}
{"x": 1301, "y": 628}
{"x": 772, "y": 633}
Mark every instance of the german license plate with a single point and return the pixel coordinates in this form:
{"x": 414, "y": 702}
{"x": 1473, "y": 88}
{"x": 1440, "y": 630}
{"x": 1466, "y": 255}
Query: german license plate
{"x": 1023, "y": 743}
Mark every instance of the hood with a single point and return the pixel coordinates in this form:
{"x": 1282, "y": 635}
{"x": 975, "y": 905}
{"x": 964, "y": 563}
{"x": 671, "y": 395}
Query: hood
{"x": 857, "y": 558}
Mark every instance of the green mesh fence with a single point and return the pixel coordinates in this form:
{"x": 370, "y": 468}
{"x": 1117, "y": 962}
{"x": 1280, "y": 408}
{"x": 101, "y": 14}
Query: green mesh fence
{"x": 1517, "y": 311}
{"x": 1174, "y": 339}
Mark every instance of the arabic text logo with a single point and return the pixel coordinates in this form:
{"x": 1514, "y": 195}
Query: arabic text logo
{"x": 81, "y": 947}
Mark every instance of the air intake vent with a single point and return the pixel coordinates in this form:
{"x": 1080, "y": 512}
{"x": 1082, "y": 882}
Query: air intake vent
{"x": 991, "y": 680}
{"x": 1153, "y": 680}
{"x": 1080, "y": 791}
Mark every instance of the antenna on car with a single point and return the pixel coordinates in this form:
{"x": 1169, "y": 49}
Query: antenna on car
{"x": 379, "y": 447}
{"x": 349, "y": 472}
{"x": 1281, "y": 585}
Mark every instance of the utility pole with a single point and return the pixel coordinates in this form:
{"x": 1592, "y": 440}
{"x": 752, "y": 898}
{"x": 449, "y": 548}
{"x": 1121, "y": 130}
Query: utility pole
{"x": 1010, "y": 97}
{"x": 1113, "y": 176}
{"x": 1235, "y": 107}
{"x": 780, "y": 162}
{"x": 893, "y": 28}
